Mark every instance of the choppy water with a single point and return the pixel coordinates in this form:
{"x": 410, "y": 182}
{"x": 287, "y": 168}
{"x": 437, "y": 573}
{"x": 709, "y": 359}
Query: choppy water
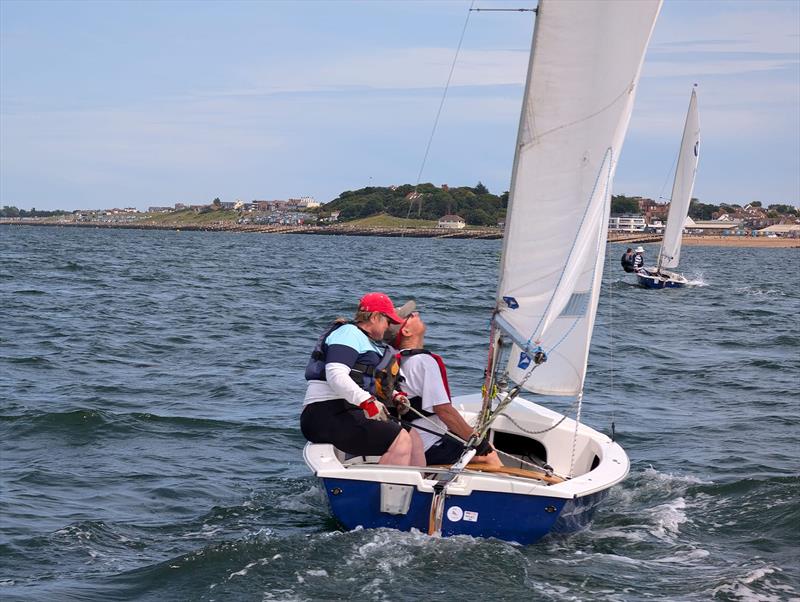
{"x": 150, "y": 386}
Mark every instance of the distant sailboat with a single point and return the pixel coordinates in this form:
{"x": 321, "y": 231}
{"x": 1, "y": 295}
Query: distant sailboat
{"x": 583, "y": 74}
{"x": 670, "y": 252}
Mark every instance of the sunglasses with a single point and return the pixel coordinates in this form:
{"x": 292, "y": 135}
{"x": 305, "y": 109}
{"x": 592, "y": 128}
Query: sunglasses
{"x": 413, "y": 314}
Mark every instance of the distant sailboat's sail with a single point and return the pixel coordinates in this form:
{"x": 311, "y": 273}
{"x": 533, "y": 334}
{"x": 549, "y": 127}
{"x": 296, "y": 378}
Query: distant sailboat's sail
{"x": 582, "y": 78}
{"x": 685, "y": 172}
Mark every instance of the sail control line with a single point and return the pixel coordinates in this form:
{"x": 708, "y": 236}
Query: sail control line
{"x": 485, "y": 420}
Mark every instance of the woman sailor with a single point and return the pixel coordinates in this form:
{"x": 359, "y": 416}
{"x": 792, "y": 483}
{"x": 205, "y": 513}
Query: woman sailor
{"x": 340, "y": 407}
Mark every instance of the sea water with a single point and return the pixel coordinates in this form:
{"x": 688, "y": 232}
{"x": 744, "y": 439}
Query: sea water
{"x": 151, "y": 383}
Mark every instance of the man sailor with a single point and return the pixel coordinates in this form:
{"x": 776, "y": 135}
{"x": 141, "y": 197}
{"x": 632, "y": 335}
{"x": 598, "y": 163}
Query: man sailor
{"x": 425, "y": 384}
{"x": 627, "y": 260}
{"x": 638, "y": 259}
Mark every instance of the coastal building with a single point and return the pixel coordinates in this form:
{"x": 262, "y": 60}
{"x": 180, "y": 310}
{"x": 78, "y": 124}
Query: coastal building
{"x": 717, "y": 227}
{"x": 627, "y": 223}
{"x": 781, "y": 230}
{"x": 305, "y": 202}
{"x": 452, "y": 222}
{"x": 269, "y": 206}
{"x": 159, "y": 209}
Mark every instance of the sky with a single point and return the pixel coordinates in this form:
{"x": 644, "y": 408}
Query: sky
{"x": 118, "y": 104}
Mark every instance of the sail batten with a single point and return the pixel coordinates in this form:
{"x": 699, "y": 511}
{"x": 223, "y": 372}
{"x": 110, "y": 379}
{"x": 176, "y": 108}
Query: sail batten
{"x": 584, "y": 70}
{"x": 670, "y": 253}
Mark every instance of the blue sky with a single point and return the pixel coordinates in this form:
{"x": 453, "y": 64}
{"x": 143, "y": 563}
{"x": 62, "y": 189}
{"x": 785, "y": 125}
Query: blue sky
{"x": 150, "y": 103}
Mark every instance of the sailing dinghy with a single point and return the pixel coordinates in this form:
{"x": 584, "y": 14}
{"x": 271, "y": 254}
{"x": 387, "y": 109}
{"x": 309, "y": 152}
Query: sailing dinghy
{"x": 670, "y": 252}
{"x": 583, "y": 73}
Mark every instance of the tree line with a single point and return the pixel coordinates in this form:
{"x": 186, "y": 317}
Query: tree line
{"x": 476, "y": 204}
{"x": 10, "y": 211}
{"x": 621, "y": 204}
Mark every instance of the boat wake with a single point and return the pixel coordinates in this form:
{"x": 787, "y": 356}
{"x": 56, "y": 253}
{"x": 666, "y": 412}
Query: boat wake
{"x": 697, "y": 279}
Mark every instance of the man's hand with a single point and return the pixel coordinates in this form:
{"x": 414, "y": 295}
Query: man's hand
{"x": 401, "y": 402}
{"x": 483, "y": 448}
{"x": 374, "y": 409}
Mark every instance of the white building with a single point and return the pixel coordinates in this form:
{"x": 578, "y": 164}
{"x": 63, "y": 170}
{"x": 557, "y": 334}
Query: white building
{"x": 626, "y": 223}
{"x": 452, "y": 221}
{"x": 305, "y": 202}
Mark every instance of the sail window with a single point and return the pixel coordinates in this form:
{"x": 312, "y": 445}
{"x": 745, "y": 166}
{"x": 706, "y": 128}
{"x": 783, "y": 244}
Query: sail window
{"x": 577, "y": 305}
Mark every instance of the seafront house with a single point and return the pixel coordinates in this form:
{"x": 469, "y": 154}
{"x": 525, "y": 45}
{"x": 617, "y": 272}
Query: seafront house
{"x": 454, "y": 222}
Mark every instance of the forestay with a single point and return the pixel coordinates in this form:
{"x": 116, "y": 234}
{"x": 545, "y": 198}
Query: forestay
{"x": 682, "y": 187}
{"x": 582, "y": 79}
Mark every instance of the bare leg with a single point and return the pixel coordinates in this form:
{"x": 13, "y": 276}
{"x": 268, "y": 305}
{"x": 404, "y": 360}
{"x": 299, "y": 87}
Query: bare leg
{"x": 417, "y": 449}
{"x": 491, "y": 458}
{"x": 399, "y": 453}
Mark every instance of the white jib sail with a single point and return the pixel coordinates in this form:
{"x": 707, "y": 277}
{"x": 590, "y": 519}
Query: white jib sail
{"x": 682, "y": 187}
{"x": 582, "y": 77}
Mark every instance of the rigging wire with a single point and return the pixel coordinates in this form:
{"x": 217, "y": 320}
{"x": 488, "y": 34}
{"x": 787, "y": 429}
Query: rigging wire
{"x": 504, "y": 10}
{"x": 441, "y": 106}
{"x": 666, "y": 179}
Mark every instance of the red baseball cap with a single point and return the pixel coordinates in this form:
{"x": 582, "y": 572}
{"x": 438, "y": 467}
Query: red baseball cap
{"x": 381, "y": 303}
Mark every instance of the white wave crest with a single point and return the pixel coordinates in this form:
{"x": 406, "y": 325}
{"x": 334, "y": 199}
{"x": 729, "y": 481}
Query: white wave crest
{"x": 742, "y": 588}
{"x": 668, "y": 518}
{"x": 752, "y": 291}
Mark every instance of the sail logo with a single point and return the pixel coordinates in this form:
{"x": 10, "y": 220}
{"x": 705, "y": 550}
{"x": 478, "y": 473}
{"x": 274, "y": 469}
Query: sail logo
{"x": 511, "y": 302}
{"x": 524, "y": 360}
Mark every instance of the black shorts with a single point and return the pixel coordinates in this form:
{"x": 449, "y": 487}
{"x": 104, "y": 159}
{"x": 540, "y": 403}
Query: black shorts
{"x": 345, "y": 426}
{"x": 446, "y": 451}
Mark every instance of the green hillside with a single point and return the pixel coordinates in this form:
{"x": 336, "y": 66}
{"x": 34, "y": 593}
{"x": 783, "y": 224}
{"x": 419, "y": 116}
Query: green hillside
{"x": 383, "y": 220}
{"x": 189, "y": 216}
{"x": 427, "y": 203}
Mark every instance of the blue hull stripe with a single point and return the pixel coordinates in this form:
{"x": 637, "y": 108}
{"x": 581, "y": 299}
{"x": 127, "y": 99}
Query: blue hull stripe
{"x": 655, "y": 283}
{"x": 511, "y": 517}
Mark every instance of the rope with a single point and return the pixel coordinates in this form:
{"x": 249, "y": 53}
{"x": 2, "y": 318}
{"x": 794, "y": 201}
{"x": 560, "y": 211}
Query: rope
{"x": 548, "y": 469}
{"x": 575, "y": 435}
{"x": 611, "y": 346}
{"x": 549, "y": 428}
{"x": 446, "y": 433}
{"x": 545, "y": 467}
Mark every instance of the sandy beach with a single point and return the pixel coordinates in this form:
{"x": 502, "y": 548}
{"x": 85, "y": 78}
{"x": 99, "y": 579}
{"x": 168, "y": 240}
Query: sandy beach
{"x": 741, "y": 241}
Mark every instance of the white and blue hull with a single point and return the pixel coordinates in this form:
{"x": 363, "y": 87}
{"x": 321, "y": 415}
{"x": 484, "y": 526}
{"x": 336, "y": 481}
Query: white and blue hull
{"x": 650, "y": 278}
{"x": 479, "y": 504}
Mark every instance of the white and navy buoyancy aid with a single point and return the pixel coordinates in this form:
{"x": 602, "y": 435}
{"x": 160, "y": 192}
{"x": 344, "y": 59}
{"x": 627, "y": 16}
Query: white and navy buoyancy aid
{"x": 370, "y": 370}
{"x": 416, "y": 401}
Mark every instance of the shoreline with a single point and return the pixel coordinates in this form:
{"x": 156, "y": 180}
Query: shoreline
{"x": 345, "y": 230}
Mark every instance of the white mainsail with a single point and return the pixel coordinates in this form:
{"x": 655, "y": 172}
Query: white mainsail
{"x": 584, "y": 69}
{"x": 670, "y": 253}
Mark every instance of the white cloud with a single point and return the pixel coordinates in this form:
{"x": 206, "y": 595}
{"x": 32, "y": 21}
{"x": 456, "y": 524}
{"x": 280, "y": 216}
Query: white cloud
{"x": 733, "y": 27}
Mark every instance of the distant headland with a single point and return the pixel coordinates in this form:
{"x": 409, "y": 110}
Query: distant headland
{"x": 428, "y": 211}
